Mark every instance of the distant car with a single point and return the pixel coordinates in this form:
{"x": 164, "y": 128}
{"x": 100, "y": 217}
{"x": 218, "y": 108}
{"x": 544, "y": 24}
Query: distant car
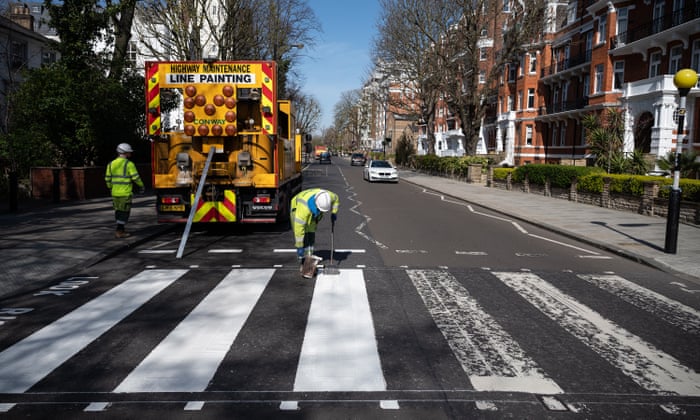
{"x": 358, "y": 159}
{"x": 324, "y": 157}
{"x": 380, "y": 170}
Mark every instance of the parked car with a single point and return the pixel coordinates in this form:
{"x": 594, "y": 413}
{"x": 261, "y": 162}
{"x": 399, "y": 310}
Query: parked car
{"x": 380, "y": 170}
{"x": 324, "y": 157}
{"x": 358, "y": 159}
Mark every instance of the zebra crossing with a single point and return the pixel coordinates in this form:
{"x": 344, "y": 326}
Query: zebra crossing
{"x": 341, "y": 348}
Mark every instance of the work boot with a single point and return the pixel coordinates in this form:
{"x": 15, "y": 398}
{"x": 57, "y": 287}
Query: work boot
{"x": 122, "y": 234}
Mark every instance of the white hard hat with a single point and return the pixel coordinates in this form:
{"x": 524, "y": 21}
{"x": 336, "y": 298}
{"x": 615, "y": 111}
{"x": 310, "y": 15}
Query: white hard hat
{"x": 124, "y": 148}
{"x": 323, "y": 201}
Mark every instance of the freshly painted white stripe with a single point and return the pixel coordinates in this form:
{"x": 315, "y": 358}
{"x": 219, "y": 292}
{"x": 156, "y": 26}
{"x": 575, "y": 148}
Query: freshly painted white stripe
{"x": 97, "y": 406}
{"x": 289, "y": 405}
{"x": 389, "y": 404}
{"x": 25, "y": 363}
{"x": 596, "y": 257}
{"x": 194, "y": 405}
{"x": 225, "y": 251}
{"x": 673, "y": 312}
{"x": 648, "y": 366}
{"x": 339, "y": 352}
{"x": 157, "y": 251}
{"x": 5, "y": 407}
{"x": 491, "y": 358}
{"x": 186, "y": 360}
{"x": 411, "y": 251}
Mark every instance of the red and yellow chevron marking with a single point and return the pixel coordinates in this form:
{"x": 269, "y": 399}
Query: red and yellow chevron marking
{"x": 217, "y": 211}
{"x": 268, "y": 98}
{"x": 153, "y": 99}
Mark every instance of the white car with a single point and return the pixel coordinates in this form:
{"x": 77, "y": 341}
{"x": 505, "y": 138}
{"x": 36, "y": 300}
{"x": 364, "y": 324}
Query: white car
{"x": 380, "y": 170}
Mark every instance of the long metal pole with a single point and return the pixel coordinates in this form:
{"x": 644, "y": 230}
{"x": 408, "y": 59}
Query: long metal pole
{"x": 193, "y": 205}
{"x": 674, "y": 199}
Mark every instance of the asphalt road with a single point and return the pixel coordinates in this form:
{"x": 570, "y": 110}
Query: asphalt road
{"x": 440, "y": 310}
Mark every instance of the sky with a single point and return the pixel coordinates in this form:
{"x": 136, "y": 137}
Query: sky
{"x": 340, "y": 61}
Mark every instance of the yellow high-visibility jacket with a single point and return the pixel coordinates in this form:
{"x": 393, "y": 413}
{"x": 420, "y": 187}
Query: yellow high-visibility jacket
{"x": 303, "y": 220}
{"x": 121, "y": 173}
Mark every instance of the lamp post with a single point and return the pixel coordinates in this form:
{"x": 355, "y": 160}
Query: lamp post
{"x": 684, "y": 80}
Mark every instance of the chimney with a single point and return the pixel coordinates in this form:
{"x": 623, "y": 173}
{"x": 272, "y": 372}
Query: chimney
{"x": 22, "y": 16}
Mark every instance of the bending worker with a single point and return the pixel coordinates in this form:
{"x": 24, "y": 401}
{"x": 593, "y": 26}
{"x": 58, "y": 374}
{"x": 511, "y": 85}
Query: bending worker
{"x": 120, "y": 176}
{"x": 307, "y": 210}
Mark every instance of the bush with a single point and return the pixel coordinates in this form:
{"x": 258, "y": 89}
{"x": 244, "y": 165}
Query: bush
{"x": 502, "y": 173}
{"x": 559, "y": 175}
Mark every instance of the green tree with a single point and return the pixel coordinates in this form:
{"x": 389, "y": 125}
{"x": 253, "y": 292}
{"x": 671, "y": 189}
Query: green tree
{"x": 690, "y": 166}
{"x": 604, "y": 135}
{"x": 404, "y": 151}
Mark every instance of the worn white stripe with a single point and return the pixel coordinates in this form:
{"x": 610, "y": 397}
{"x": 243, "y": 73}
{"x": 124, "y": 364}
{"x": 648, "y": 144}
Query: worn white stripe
{"x": 339, "y": 352}
{"x": 648, "y": 366}
{"x": 492, "y": 359}
{"x": 28, "y": 361}
{"x": 225, "y": 251}
{"x": 186, "y": 360}
{"x": 671, "y": 311}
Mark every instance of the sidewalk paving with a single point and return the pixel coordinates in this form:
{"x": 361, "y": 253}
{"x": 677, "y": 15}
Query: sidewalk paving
{"x": 43, "y": 243}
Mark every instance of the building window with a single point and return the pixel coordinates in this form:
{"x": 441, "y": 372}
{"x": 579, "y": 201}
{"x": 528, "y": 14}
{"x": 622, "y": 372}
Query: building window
{"x": 674, "y": 60}
{"x": 520, "y": 100}
{"x": 510, "y": 103}
{"x": 602, "y": 28}
{"x": 482, "y": 77}
{"x": 619, "y": 77}
{"x": 132, "y": 52}
{"x": 483, "y": 54}
{"x": 565, "y": 92}
{"x": 658, "y": 16}
{"x": 622, "y": 21}
{"x": 512, "y": 71}
{"x": 678, "y": 6}
{"x": 586, "y": 85}
{"x": 506, "y": 6}
{"x": 533, "y": 63}
{"x": 571, "y": 13}
{"x": 562, "y": 135}
{"x": 555, "y": 134}
{"x": 48, "y": 58}
{"x": 528, "y": 135}
{"x": 531, "y": 98}
{"x": 18, "y": 55}
{"x": 655, "y": 64}
{"x": 598, "y": 87}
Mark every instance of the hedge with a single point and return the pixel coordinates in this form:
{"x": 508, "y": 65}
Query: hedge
{"x": 559, "y": 175}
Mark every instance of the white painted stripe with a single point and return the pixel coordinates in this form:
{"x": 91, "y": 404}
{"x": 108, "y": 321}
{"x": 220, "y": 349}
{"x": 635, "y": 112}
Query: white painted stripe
{"x": 588, "y": 251}
{"x": 186, "y": 360}
{"x": 343, "y": 250}
{"x": 476, "y": 253}
{"x": 157, "y": 251}
{"x": 491, "y": 358}
{"x": 97, "y": 407}
{"x": 28, "y": 361}
{"x": 339, "y": 352}
{"x": 289, "y": 405}
{"x": 194, "y": 405}
{"x": 596, "y": 257}
{"x": 5, "y": 407}
{"x": 225, "y": 251}
{"x": 389, "y": 404}
{"x": 671, "y": 311}
{"x": 648, "y": 366}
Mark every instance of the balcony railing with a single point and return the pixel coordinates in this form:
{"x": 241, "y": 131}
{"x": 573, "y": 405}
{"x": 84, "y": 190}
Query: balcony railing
{"x": 567, "y": 106}
{"x": 567, "y": 63}
{"x": 657, "y": 25}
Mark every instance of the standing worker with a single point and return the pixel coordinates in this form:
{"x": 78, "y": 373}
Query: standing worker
{"x": 307, "y": 210}
{"x": 120, "y": 176}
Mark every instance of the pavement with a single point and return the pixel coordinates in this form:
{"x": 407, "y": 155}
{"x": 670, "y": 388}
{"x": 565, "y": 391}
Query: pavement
{"x": 44, "y": 242}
